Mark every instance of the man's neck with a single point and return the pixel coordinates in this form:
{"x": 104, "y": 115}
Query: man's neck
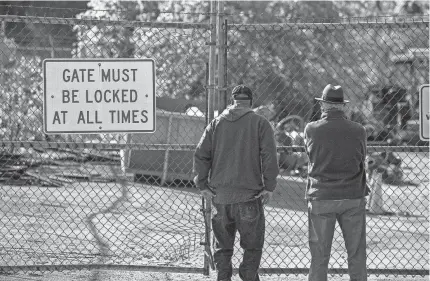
{"x": 332, "y": 110}
{"x": 237, "y": 104}
{"x": 334, "y": 113}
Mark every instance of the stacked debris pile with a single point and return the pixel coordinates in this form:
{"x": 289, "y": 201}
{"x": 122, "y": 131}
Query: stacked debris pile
{"x": 58, "y": 166}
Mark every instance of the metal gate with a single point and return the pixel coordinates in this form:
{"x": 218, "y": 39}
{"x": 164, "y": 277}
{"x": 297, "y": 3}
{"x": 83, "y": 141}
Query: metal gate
{"x": 381, "y": 64}
{"x": 103, "y": 201}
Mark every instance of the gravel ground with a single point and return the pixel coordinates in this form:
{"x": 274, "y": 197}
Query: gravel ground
{"x": 88, "y": 223}
{"x": 140, "y": 224}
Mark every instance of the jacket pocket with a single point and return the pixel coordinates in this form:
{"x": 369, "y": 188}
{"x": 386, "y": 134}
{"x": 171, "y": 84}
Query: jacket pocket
{"x": 249, "y": 211}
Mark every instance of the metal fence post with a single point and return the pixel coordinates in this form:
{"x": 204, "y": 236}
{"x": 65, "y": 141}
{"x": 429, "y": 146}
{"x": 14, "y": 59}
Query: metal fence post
{"x": 210, "y": 115}
{"x": 225, "y": 98}
{"x": 221, "y": 104}
{"x": 164, "y": 174}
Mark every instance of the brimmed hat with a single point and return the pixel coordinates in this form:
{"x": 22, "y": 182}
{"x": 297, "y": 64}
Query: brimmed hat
{"x": 241, "y": 92}
{"x": 332, "y": 94}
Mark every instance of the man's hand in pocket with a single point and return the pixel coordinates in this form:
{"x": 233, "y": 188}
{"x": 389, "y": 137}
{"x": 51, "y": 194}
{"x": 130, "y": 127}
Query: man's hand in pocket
{"x": 265, "y": 195}
{"x": 207, "y": 193}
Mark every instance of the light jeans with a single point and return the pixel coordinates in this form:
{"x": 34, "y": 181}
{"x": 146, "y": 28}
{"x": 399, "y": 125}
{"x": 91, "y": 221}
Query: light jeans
{"x": 351, "y": 216}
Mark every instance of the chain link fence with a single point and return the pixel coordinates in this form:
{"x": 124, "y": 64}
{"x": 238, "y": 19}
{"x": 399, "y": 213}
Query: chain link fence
{"x": 380, "y": 63}
{"x": 73, "y": 201}
{"x": 127, "y": 201}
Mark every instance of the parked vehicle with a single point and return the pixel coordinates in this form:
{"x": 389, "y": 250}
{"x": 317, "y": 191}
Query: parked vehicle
{"x": 289, "y": 132}
{"x": 388, "y": 164}
{"x": 410, "y": 134}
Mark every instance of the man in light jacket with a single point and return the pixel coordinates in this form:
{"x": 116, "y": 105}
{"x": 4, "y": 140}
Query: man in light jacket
{"x": 336, "y": 186}
{"x": 235, "y": 164}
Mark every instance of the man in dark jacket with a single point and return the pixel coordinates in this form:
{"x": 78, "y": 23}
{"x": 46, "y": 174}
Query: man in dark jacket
{"x": 336, "y": 186}
{"x": 236, "y": 165}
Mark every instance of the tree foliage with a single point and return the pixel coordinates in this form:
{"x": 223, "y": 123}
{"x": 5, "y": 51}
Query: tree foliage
{"x": 180, "y": 54}
{"x": 20, "y": 97}
{"x": 288, "y": 67}
{"x": 41, "y": 35}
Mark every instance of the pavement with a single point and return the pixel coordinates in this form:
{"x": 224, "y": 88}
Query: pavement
{"x": 111, "y": 275}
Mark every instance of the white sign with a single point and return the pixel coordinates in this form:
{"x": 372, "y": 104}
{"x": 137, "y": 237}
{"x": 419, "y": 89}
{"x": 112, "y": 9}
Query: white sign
{"x": 99, "y": 96}
{"x": 424, "y": 112}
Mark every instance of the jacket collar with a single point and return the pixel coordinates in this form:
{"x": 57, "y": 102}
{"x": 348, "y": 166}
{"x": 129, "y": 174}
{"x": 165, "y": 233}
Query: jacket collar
{"x": 333, "y": 114}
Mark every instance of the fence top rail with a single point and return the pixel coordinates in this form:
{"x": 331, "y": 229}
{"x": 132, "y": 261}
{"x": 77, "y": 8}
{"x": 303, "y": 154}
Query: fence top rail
{"x": 94, "y": 21}
{"x": 384, "y": 22}
{"x": 184, "y": 146}
{"x": 392, "y": 22}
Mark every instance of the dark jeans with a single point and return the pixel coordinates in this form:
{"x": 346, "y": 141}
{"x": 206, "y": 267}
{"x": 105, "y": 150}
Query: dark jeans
{"x": 248, "y": 219}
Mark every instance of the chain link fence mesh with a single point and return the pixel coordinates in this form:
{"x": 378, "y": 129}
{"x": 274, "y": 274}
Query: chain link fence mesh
{"x": 380, "y": 63}
{"x": 127, "y": 199}
{"x": 80, "y": 200}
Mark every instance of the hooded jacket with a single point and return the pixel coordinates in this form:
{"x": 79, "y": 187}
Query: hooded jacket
{"x": 236, "y": 156}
